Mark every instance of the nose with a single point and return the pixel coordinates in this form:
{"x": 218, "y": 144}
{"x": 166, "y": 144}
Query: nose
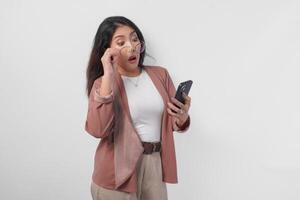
{"x": 131, "y": 47}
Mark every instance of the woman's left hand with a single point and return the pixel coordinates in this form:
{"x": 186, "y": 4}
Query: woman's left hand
{"x": 179, "y": 110}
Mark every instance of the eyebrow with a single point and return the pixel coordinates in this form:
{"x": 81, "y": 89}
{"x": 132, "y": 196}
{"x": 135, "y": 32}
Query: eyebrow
{"x": 123, "y": 35}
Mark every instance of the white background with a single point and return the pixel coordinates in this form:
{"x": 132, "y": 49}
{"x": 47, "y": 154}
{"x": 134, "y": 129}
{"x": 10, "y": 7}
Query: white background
{"x": 243, "y": 57}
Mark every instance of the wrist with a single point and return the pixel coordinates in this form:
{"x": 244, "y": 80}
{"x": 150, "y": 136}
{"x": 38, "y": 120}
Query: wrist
{"x": 182, "y": 124}
{"x": 108, "y": 74}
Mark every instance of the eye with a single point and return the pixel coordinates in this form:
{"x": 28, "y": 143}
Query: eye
{"x": 120, "y": 43}
{"x": 135, "y": 39}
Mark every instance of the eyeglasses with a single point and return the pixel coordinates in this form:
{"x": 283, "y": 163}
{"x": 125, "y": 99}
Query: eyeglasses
{"x": 139, "y": 47}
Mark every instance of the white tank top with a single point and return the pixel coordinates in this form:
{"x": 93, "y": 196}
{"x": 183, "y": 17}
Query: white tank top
{"x": 146, "y": 106}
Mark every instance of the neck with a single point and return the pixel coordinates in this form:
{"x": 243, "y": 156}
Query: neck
{"x": 132, "y": 73}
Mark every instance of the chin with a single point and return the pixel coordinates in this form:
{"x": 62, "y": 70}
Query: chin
{"x": 132, "y": 67}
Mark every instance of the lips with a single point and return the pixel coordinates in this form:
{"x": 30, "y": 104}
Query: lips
{"x": 132, "y": 58}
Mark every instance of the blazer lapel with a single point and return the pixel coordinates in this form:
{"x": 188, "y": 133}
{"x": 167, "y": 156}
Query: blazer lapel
{"x": 159, "y": 84}
{"x": 127, "y": 144}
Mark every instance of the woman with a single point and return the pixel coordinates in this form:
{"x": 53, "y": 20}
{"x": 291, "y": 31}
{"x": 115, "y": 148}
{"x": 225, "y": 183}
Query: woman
{"x": 133, "y": 110}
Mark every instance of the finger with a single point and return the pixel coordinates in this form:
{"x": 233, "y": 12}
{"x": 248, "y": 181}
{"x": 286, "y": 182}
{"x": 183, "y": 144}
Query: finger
{"x": 176, "y": 102}
{"x": 111, "y": 52}
{"x": 113, "y": 55}
{"x": 185, "y": 96}
{"x": 107, "y": 54}
{"x": 172, "y": 113}
{"x": 187, "y": 99}
{"x": 173, "y": 107}
{"x": 114, "y": 51}
{"x": 106, "y": 57}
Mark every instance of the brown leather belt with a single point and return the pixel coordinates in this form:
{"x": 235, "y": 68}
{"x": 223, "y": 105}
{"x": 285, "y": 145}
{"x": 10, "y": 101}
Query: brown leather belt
{"x": 150, "y": 147}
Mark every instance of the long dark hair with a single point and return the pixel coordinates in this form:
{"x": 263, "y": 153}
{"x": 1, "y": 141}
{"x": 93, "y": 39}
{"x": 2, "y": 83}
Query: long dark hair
{"x": 102, "y": 41}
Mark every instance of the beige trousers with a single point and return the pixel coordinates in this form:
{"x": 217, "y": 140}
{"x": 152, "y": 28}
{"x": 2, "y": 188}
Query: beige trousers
{"x": 150, "y": 184}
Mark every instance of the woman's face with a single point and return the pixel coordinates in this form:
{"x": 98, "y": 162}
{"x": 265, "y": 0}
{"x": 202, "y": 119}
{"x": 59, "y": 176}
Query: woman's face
{"x": 127, "y": 42}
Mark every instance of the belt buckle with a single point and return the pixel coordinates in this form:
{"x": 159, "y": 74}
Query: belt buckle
{"x": 154, "y": 147}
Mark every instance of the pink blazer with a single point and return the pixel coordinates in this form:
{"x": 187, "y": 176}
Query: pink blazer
{"x": 115, "y": 163}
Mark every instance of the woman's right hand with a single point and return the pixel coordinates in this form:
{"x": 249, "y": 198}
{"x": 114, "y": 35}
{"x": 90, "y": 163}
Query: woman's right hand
{"x": 110, "y": 60}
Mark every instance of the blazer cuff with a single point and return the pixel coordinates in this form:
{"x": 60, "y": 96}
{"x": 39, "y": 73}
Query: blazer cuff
{"x": 103, "y": 99}
{"x": 184, "y": 126}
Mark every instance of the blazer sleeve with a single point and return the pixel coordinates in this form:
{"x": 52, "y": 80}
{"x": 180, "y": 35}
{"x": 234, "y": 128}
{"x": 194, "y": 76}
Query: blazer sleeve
{"x": 171, "y": 92}
{"x": 100, "y": 114}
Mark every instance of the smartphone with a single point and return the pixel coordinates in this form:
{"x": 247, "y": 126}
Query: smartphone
{"x": 183, "y": 87}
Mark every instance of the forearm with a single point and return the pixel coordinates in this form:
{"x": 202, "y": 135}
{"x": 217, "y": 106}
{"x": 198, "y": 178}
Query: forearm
{"x": 106, "y": 84}
{"x": 100, "y": 110}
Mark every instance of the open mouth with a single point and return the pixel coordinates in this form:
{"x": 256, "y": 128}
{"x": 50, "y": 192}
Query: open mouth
{"x": 132, "y": 58}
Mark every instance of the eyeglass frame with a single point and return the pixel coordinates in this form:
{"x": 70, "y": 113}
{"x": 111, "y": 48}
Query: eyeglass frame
{"x": 140, "y": 43}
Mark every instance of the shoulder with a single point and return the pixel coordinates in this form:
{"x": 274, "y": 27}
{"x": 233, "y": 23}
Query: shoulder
{"x": 97, "y": 82}
{"x": 158, "y": 70}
